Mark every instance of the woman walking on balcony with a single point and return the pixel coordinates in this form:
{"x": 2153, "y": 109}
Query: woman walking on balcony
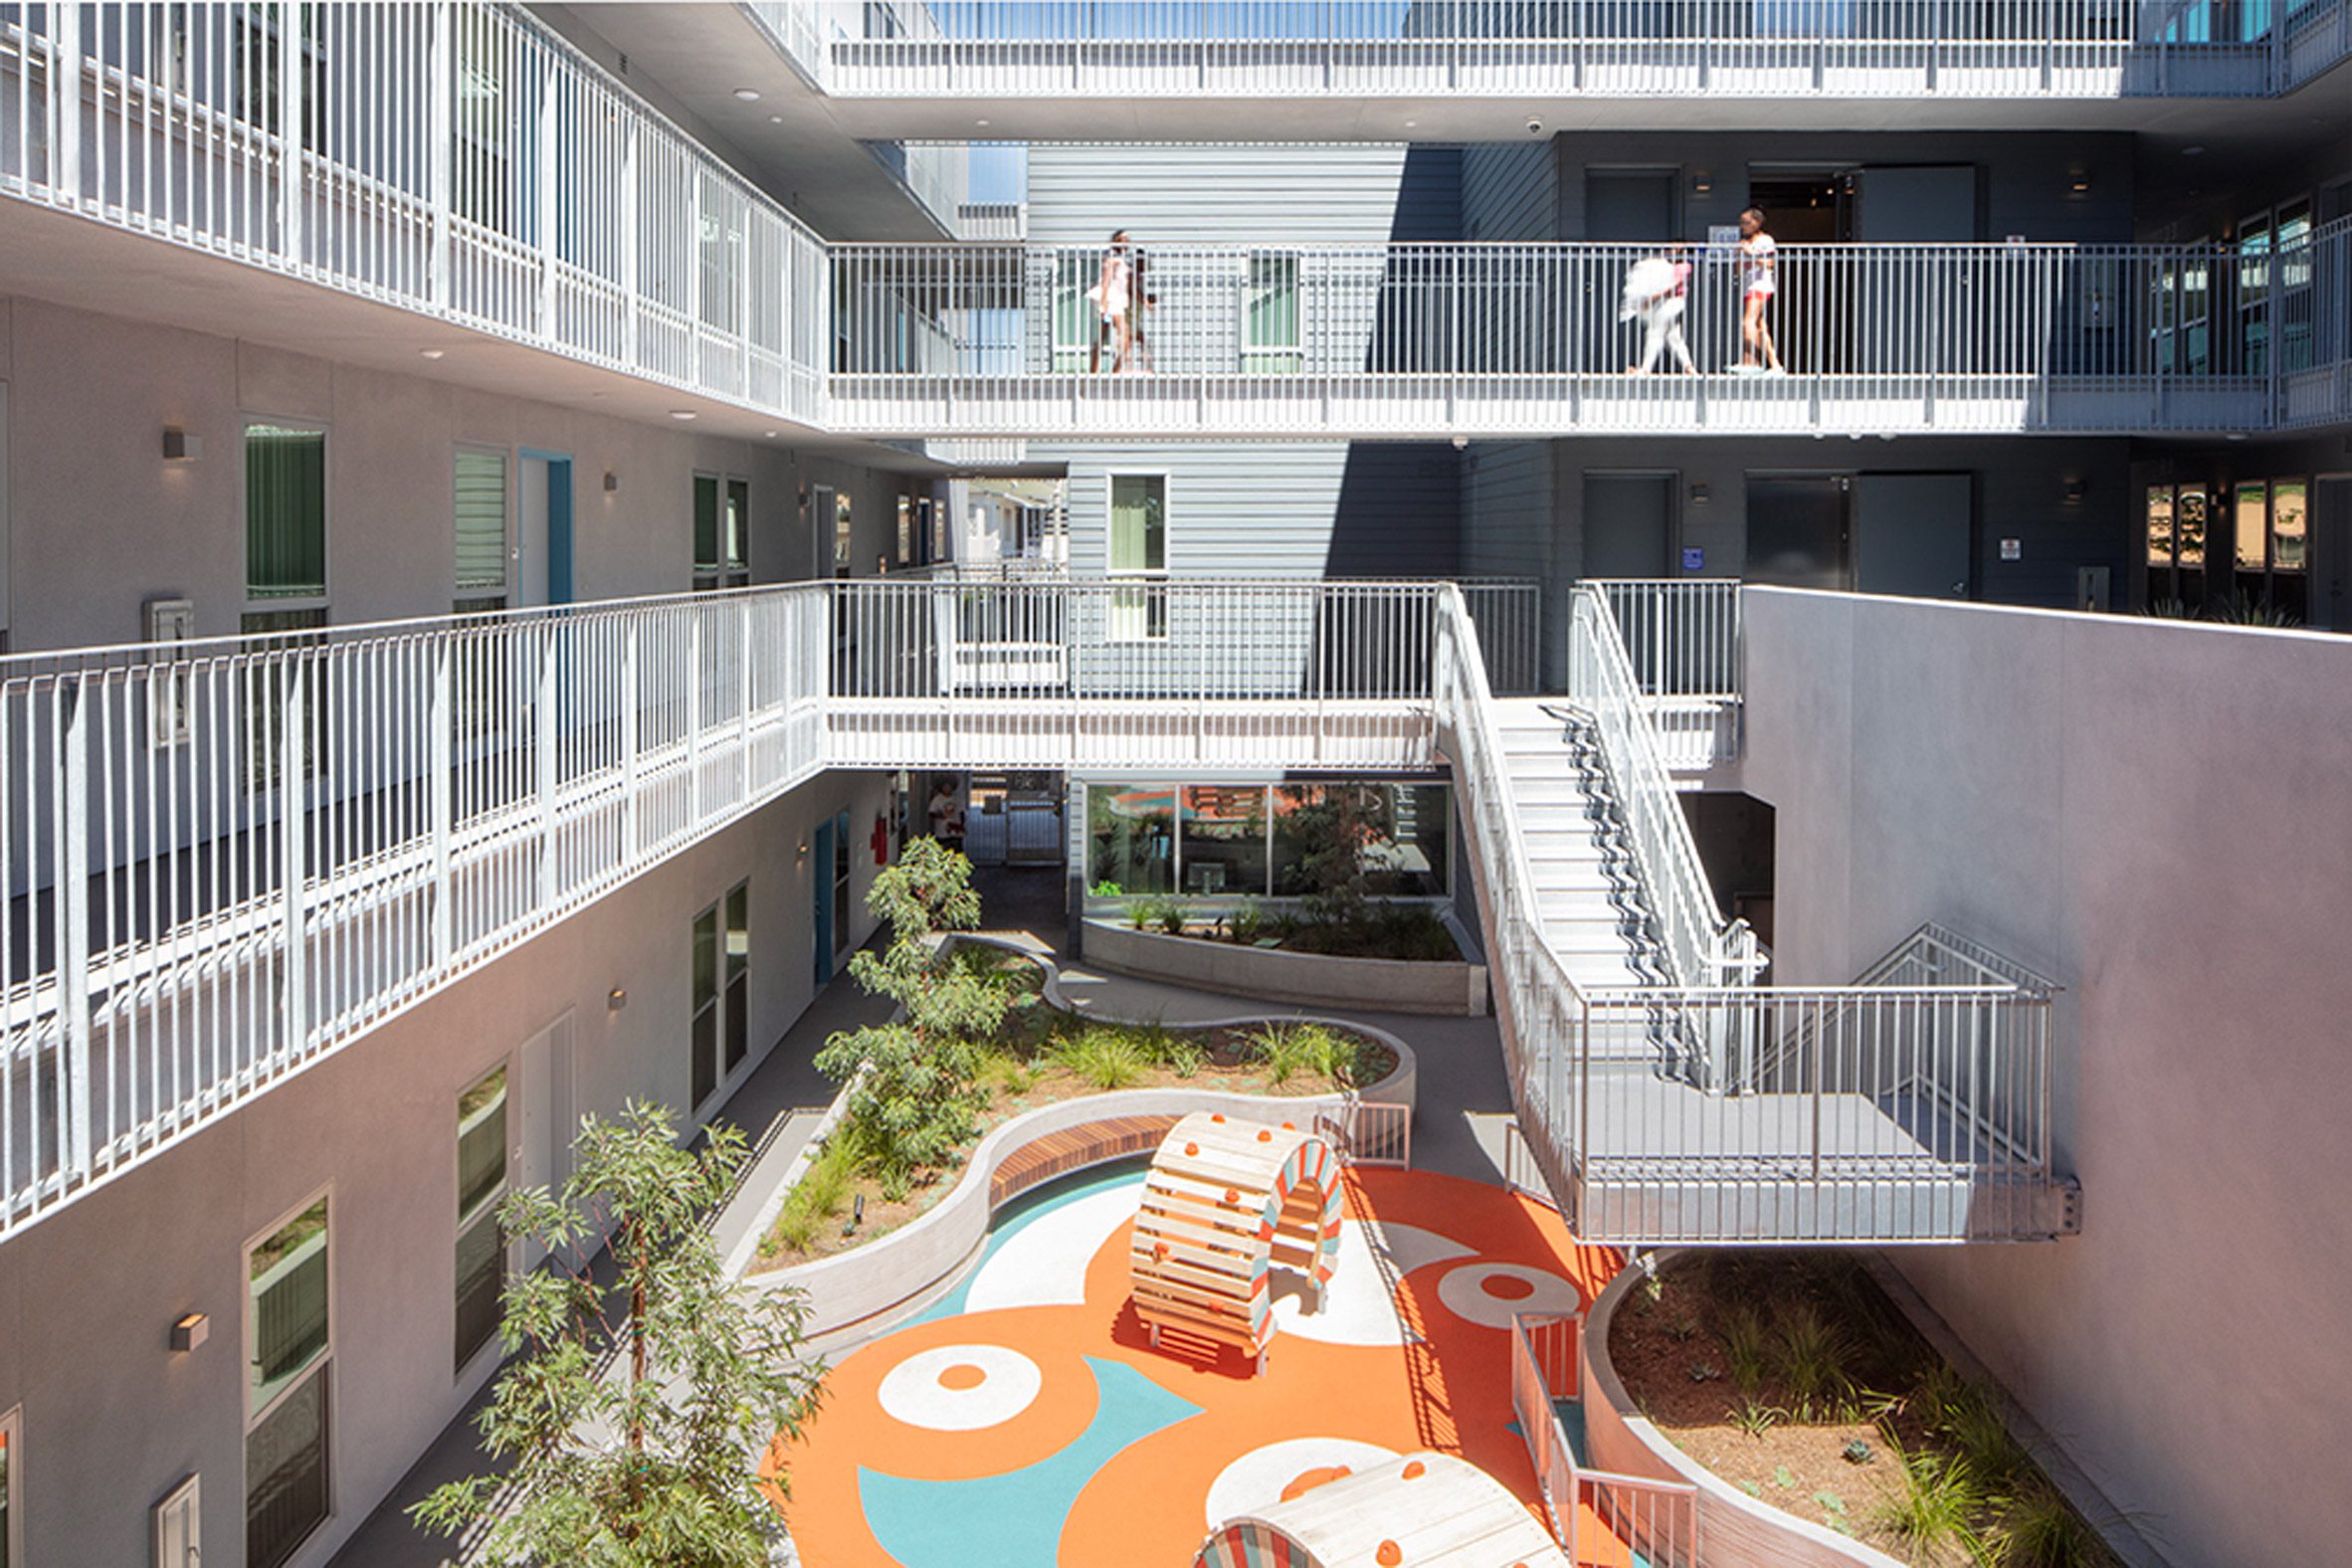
{"x": 1758, "y": 267}
{"x": 1656, "y": 291}
{"x": 1113, "y": 300}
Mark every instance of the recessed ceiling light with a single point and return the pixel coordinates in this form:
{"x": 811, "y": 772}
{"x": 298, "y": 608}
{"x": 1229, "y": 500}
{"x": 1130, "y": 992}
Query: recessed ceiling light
{"x": 980, "y": 123}
{"x": 2236, "y": 435}
{"x": 775, "y": 120}
{"x": 682, "y": 413}
{"x": 432, "y": 353}
{"x": 2194, "y": 149}
{"x": 1409, "y": 125}
{"x": 748, "y": 94}
{"x": 771, "y": 434}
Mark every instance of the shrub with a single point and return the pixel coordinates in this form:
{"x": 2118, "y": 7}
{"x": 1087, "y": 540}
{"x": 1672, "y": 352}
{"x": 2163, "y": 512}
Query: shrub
{"x": 1809, "y": 1352}
{"x": 2040, "y": 1531}
{"x": 1105, "y": 1057}
{"x": 1172, "y": 918}
{"x": 1246, "y": 923}
{"x": 1288, "y": 1049}
{"x": 1746, "y": 1347}
{"x": 815, "y": 1199}
{"x": 1942, "y": 1499}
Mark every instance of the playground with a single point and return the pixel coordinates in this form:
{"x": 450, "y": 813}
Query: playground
{"x": 1028, "y": 1420}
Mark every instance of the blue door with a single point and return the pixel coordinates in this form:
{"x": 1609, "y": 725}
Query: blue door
{"x": 821, "y": 885}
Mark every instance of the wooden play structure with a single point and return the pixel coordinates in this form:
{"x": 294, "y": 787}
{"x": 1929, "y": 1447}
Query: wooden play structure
{"x": 1225, "y": 1200}
{"x": 1424, "y": 1510}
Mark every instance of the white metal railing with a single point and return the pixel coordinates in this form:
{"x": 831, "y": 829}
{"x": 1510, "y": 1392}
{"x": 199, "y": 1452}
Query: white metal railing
{"x": 1511, "y": 339}
{"x": 224, "y": 859}
{"x": 1681, "y": 641}
{"x": 457, "y": 159}
{"x": 1353, "y": 49}
{"x": 1907, "y": 1107}
{"x": 1698, "y": 946}
{"x": 1596, "y": 1515}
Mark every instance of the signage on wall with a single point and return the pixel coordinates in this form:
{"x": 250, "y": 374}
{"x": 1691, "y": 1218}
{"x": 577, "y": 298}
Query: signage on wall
{"x": 1723, "y": 236}
{"x": 2013, "y": 549}
{"x": 1694, "y": 559}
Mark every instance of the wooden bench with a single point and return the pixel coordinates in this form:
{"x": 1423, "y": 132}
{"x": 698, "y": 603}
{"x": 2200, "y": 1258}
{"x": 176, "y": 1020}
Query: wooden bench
{"x": 1073, "y": 1149}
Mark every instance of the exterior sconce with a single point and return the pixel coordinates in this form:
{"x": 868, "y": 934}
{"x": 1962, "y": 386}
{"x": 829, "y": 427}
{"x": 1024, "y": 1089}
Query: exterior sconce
{"x": 612, "y": 483}
{"x": 2070, "y": 490}
{"x": 1462, "y": 443}
{"x": 1699, "y": 495}
{"x": 616, "y": 999}
{"x": 179, "y": 445}
{"x": 801, "y": 853}
{"x": 1700, "y": 185}
{"x": 190, "y": 1331}
{"x": 2082, "y": 184}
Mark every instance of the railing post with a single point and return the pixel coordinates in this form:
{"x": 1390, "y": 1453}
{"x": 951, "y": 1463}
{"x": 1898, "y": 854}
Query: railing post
{"x": 629, "y": 743}
{"x": 694, "y": 718}
{"x": 65, "y": 99}
{"x": 440, "y": 79}
{"x": 440, "y": 790}
{"x": 548, "y": 173}
{"x": 291, "y": 157}
{"x": 743, "y": 703}
{"x": 73, "y": 936}
{"x": 294, "y": 857}
{"x": 543, "y": 762}
{"x": 630, "y": 242}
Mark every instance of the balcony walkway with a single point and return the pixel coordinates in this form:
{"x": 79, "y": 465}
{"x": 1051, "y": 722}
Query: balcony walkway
{"x": 1027, "y": 66}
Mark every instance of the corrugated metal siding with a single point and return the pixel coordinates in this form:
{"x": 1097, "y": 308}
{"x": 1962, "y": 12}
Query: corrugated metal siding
{"x": 1294, "y": 508}
{"x": 1237, "y": 194}
{"x": 1510, "y": 191}
{"x": 1279, "y": 509}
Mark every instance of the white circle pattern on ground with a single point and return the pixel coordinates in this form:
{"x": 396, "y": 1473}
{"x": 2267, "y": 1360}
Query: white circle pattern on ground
{"x": 1465, "y": 1293}
{"x": 1255, "y": 1482}
{"x": 920, "y": 1390}
{"x": 1359, "y": 1306}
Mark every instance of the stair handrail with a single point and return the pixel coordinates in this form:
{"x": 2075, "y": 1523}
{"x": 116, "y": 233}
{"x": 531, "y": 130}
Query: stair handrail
{"x": 1541, "y": 1006}
{"x": 1698, "y": 946}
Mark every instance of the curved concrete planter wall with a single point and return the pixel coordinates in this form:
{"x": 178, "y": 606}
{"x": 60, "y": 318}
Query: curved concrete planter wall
{"x": 1383, "y": 985}
{"x": 1734, "y": 1529}
{"x": 868, "y": 1284}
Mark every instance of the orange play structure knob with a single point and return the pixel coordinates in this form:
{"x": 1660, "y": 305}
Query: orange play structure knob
{"x": 1159, "y": 1249}
{"x": 1191, "y": 1149}
{"x": 1232, "y": 1195}
{"x": 1389, "y": 1555}
{"x": 1265, "y": 1135}
{"x": 1217, "y": 1115}
{"x": 1415, "y": 1469}
{"x": 1289, "y": 1126}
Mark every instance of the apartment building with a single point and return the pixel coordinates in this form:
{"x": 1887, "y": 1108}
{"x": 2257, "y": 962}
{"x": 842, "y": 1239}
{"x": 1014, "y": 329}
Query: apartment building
{"x": 484, "y": 492}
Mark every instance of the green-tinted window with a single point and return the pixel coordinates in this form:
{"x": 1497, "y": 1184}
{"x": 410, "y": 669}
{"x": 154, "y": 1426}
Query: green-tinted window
{"x": 1138, "y": 522}
{"x": 481, "y": 526}
{"x": 1271, "y": 340}
{"x": 482, "y": 1184}
{"x": 1131, "y": 838}
{"x": 284, "y": 512}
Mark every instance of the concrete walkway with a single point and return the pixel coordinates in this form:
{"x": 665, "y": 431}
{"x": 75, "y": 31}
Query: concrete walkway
{"x": 1459, "y": 1127}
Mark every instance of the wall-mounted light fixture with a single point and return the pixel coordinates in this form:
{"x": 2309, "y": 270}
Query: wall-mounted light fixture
{"x": 2080, "y": 182}
{"x": 190, "y": 1331}
{"x": 180, "y": 447}
{"x": 2070, "y": 489}
{"x": 802, "y": 852}
{"x": 612, "y": 483}
{"x": 1698, "y": 495}
{"x": 616, "y": 999}
{"x": 1701, "y": 184}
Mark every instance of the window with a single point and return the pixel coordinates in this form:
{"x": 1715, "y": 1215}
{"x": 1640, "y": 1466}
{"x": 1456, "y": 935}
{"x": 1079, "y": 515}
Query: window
{"x": 480, "y": 503}
{"x": 1078, "y": 320}
{"x": 722, "y": 991}
{"x": 1391, "y": 836}
{"x": 722, "y": 533}
{"x": 1131, "y": 839}
{"x": 840, "y": 533}
{"x": 905, "y": 556}
{"x": 1272, "y": 342}
{"x": 260, "y": 94}
{"x": 2293, "y": 238}
{"x": 1224, "y": 833}
{"x": 482, "y": 1184}
{"x": 493, "y": 126}
{"x": 939, "y": 551}
{"x": 2254, "y": 287}
{"x": 2174, "y": 521}
{"x": 1292, "y": 841}
{"x": 2271, "y": 529}
{"x": 1139, "y": 548}
{"x": 284, "y": 512}
{"x": 290, "y": 1348}
{"x": 840, "y": 880}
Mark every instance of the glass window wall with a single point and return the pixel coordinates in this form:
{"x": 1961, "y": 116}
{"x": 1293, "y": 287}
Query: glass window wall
{"x": 1382, "y": 839}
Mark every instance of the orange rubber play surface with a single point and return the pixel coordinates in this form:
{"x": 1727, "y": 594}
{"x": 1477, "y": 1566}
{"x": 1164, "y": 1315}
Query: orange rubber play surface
{"x": 1024, "y": 1430}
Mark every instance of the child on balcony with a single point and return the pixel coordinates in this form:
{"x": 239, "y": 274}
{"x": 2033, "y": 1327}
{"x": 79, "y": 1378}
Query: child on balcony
{"x": 1112, "y": 298}
{"x": 1757, "y": 266}
{"x": 1657, "y": 290}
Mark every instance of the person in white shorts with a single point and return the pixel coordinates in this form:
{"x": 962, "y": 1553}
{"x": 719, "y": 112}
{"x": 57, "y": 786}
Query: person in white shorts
{"x": 1758, "y": 269}
{"x": 1112, "y": 296}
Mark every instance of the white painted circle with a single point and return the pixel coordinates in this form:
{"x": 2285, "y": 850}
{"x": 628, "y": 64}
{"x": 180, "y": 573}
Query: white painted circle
{"x": 960, "y": 1387}
{"x": 1465, "y": 1292}
{"x": 1255, "y": 1482}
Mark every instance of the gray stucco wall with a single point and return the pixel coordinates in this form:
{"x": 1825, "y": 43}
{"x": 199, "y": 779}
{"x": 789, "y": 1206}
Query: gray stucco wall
{"x": 113, "y": 1419}
{"x": 2153, "y": 813}
{"x": 98, "y": 522}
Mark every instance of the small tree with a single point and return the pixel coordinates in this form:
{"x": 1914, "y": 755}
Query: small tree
{"x": 921, "y": 1093}
{"x": 654, "y": 1463}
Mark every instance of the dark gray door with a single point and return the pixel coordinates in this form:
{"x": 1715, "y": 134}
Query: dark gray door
{"x": 1911, "y": 318}
{"x": 2331, "y": 554}
{"x": 1797, "y": 530}
{"x": 1911, "y": 534}
{"x": 1629, "y": 204}
{"x": 1627, "y": 520}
